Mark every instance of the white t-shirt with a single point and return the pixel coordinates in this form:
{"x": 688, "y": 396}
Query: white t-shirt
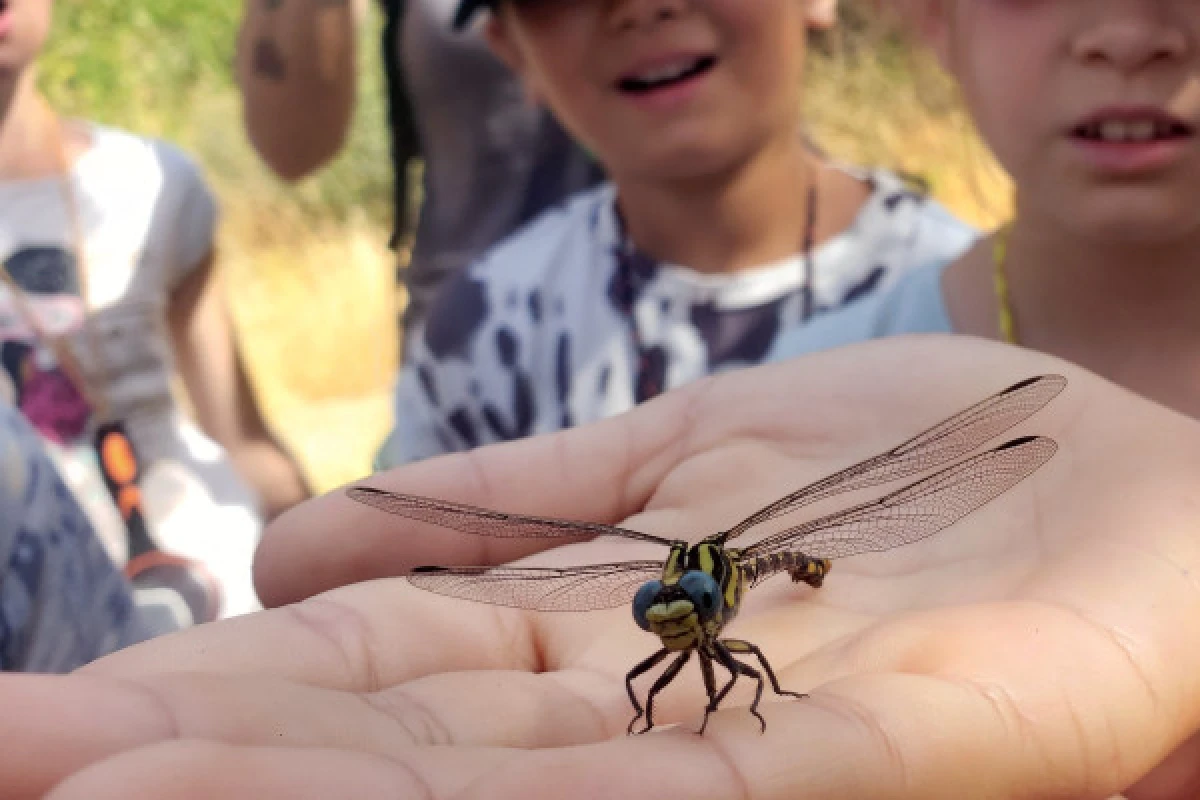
{"x": 558, "y": 325}
{"x": 147, "y": 219}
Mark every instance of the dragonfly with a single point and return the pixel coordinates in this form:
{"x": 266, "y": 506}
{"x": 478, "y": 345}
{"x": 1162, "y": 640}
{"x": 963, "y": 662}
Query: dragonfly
{"x": 688, "y": 598}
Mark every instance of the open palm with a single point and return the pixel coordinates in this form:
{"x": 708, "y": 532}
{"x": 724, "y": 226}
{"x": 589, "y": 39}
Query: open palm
{"x": 1046, "y": 645}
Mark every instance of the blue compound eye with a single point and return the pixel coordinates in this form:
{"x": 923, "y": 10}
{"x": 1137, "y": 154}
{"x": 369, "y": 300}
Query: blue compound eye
{"x": 643, "y": 600}
{"x": 703, "y": 591}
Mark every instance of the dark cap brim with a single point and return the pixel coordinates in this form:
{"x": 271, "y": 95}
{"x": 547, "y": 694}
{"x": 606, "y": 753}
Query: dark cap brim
{"x": 466, "y": 10}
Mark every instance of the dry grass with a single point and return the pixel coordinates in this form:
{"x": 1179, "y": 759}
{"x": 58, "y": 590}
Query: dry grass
{"x": 317, "y": 316}
{"x": 868, "y": 109}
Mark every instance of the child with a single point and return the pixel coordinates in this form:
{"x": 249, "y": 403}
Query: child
{"x": 720, "y": 229}
{"x": 106, "y": 246}
{"x": 1097, "y": 123}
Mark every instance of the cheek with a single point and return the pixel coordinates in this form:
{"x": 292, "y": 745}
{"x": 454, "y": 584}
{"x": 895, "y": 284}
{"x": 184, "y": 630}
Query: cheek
{"x": 33, "y": 24}
{"x": 764, "y": 45}
{"x": 1006, "y": 93}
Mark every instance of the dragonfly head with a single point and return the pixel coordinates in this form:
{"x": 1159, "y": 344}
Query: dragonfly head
{"x": 675, "y": 611}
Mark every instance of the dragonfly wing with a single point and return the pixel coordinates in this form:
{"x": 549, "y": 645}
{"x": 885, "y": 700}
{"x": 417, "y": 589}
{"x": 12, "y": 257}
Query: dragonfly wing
{"x": 485, "y": 522}
{"x": 916, "y": 511}
{"x": 946, "y": 441}
{"x": 583, "y": 588}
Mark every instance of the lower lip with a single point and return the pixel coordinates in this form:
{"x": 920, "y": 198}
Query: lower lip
{"x": 669, "y": 97}
{"x": 5, "y": 22}
{"x": 1132, "y": 158}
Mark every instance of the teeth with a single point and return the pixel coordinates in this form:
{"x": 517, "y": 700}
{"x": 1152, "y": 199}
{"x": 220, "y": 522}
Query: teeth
{"x": 1112, "y": 131}
{"x": 665, "y": 73}
{"x": 1140, "y": 130}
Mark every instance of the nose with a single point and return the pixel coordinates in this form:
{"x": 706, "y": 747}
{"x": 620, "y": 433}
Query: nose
{"x": 634, "y": 14}
{"x": 1130, "y": 35}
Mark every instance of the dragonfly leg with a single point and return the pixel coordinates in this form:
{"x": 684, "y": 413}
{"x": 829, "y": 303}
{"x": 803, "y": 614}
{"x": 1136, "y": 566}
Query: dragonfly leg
{"x": 710, "y": 688}
{"x": 734, "y": 671}
{"x": 669, "y": 674}
{"x": 738, "y": 668}
{"x": 742, "y": 646}
{"x": 647, "y": 665}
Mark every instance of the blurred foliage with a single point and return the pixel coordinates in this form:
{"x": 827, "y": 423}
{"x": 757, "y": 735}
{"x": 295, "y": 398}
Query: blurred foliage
{"x": 120, "y": 61}
{"x": 166, "y": 68}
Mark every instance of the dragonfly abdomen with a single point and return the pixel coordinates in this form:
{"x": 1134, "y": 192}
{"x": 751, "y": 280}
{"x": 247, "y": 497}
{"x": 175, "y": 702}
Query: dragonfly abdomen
{"x": 802, "y": 568}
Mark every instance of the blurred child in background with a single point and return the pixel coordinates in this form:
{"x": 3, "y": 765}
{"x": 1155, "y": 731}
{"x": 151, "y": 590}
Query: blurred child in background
{"x": 720, "y": 230}
{"x": 1097, "y": 120}
{"x": 106, "y": 243}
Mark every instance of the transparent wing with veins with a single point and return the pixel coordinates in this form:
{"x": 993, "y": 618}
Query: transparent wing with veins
{"x": 939, "y": 445}
{"x": 584, "y": 588}
{"x": 486, "y": 522}
{"x": 918, "y": 510}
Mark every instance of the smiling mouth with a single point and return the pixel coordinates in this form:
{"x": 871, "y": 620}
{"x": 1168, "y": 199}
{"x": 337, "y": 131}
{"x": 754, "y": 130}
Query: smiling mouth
{"x": 1132, "y": 129}
{"x": 665, "y": 76}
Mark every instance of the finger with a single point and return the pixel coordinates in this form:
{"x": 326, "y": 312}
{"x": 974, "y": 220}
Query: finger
{"x": 197, "y": 770}
{"x": 912, "y": 722}
{"x": 98, "y": 717}
{"x": 600, "y": 473}
{"x": 880, "y": 736}
{"x": 1176, "y": 777}
{"x": 359, "y": 638}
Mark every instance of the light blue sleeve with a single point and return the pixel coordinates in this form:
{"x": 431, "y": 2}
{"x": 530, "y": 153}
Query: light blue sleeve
{"x": 913, "y": 304}
{"x": 62, "y": 601}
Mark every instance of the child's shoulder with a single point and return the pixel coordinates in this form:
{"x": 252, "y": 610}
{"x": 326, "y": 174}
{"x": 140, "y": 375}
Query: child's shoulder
{"x": 538, "y": 257}
{"x": 549, "y": 240}
{"x": 133, "y": 157}
{"x": 901, "y": 213}
{"x": 912, "y": 304}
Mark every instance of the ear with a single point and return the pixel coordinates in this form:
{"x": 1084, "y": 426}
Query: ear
{"x": 502, "y": 38}
{"x": 821, "y": 14}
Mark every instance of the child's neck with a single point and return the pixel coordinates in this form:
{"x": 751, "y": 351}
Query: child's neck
{"x": 29, "y": 132}
{"x": 1130, "y": 314}
{"x": 754, "y": 215}
{"x": 1067, "y": 289}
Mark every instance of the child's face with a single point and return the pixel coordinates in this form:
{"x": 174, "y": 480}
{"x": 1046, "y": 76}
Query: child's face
{"x": 1092, "y": 105}
{"x": 24, "y": 25}
{"x": 664, "y": 89}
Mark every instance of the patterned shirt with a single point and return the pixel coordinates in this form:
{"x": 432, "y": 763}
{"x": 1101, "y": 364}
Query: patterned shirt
{"x": 563, "y": 323}
{"x": 62, "y": 602}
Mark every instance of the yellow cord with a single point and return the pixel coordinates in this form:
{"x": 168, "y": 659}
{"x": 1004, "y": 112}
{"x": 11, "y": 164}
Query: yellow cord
{"x": 1008, "y": 328}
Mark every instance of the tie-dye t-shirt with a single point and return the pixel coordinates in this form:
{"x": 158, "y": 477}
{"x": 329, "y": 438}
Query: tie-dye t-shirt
{"x": 563, "y": 323}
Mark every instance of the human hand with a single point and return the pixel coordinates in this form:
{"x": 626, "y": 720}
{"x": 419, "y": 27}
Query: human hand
{"x": 1044, "y": 646}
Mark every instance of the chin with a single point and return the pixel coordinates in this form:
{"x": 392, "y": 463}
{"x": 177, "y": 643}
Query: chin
{"x": 689, "y": 163}
{"x": 1145, "y": 224}
{"x": 12, "y": 63}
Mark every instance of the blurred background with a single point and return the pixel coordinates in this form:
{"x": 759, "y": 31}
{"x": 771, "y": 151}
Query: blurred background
{"x": 312, "y": 283}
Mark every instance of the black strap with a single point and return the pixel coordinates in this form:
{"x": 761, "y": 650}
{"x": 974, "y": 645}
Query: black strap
{"x": 405, "y": 144}
{"x": 122, "y": 470}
